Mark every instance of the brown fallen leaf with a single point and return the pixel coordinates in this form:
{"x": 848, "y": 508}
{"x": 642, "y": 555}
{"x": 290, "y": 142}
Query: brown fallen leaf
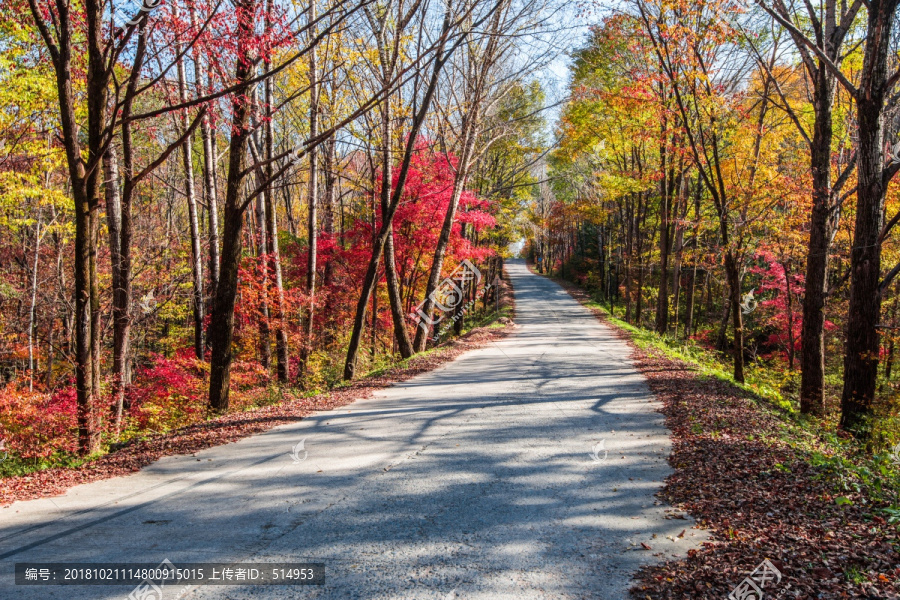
{"x": 646, "y": 546}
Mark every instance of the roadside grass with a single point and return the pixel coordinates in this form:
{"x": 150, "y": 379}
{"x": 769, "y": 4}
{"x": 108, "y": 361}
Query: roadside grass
{"x": 759, "y": 381}
{"x": 12, "y": 465}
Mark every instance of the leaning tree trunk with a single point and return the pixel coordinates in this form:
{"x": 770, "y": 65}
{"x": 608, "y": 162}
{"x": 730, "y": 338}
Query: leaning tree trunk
{"x": 437, "y": 262}
{"x": 387, "y": 217}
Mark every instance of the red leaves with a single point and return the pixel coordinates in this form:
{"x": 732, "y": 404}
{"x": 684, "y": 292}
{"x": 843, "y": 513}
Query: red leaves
{"x": 37, "y": 424}
{"x": 222, "y": 430}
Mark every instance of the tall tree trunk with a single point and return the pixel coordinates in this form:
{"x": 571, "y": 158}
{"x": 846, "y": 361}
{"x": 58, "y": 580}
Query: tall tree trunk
{"x": 662, "y": 299}
{"x": 312, "y": 198}
{"x": 120, "y": 325}
{"x": 32, "y": 314}
{"x": 281, "y": 340}
{"x": 187, "y": 155}
{"x": 437, "y": 261}
{"x": 221, "y": 329}
{"x": 398, "y": 315}
{"x": 689, "y": 316}
{"x": 210, "y": 193}
{"x": 328, "y": 203}
{"x": 822, "y": 228}
{"x": 861, "y": 350}
{"x": 95, "y": 310}
{"x": 88, "y": 438}
{"x": 215, "y": 253}
{"x": 262, "y": 239}
{"x": 387, "y": 218}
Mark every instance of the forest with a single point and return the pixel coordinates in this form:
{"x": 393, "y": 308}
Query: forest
{"x": 210, "y": 207}
{"x": 723, "y": 177}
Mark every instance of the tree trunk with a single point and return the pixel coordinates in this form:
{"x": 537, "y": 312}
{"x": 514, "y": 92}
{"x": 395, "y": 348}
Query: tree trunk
{"x": 398, "y": 315}
{"x": 281, "y": 340}
{"x": 387, "y": 217}
{"x": 790, "y": 314}
{"x": 265, "y": 347}
{"x": 114, "y": 225}
{"x": 211, "y": 150}
{"x": 187, "y": 156}
{"x": 210, "y": 192}
{"x": 328, "y": 203}
{"x": 889, "y": 359}
{"x": 221, "y": 329}
{"x": 437, "y": 262}
{"x": 821, "y": 232}
{"x": 662, "y": 299}
{"x": 861, "y": 350}
{"x": 734, "y": 283}
{"x": 312, "y": 229}
{"x": 689, "y": 302}
{"x": 32, "y": 314}
{"x": 689, "y": 316}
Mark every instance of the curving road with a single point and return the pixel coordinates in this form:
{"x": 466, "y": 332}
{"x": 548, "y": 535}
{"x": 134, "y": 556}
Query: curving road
{"x": 474, "y": 481}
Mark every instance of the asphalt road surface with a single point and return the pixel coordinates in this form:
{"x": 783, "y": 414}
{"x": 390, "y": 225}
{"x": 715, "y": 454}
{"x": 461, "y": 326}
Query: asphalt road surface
{"x": 523, "y": 470}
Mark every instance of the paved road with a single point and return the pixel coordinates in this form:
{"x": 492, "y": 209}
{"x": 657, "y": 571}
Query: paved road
{"x": 474, "y": 481}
